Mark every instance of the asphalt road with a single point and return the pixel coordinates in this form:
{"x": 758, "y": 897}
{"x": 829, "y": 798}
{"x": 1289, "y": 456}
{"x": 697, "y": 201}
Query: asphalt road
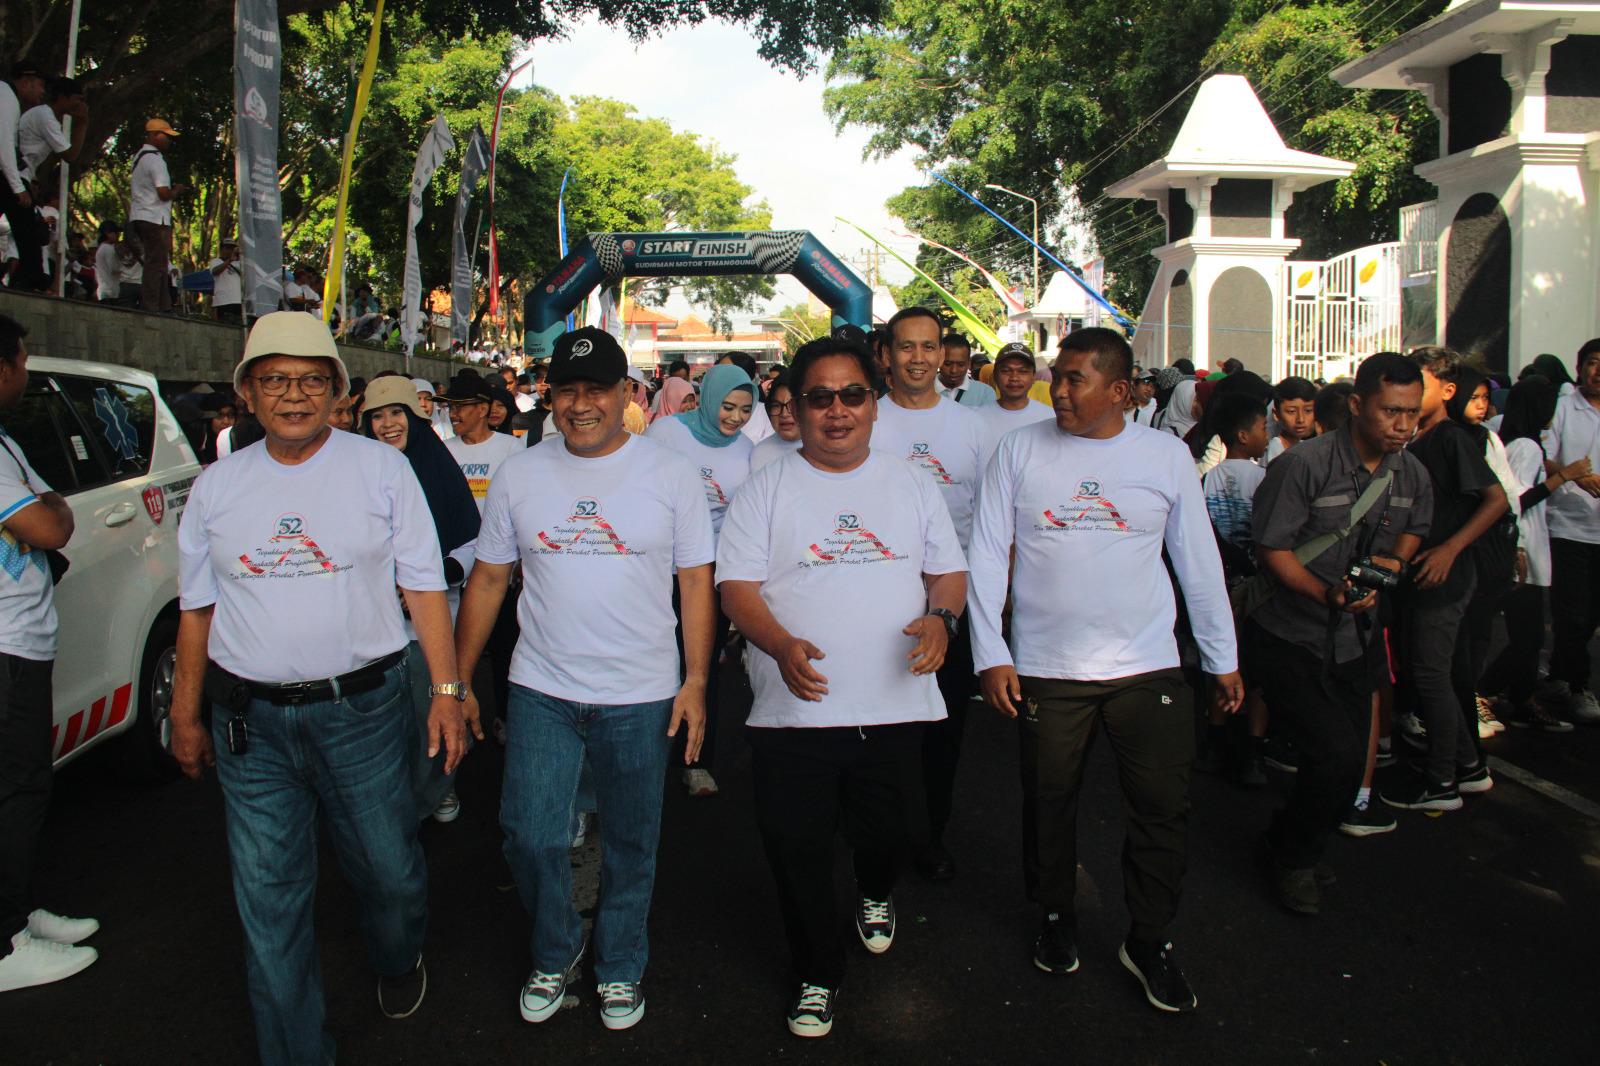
{"x": 1464, "y": 939}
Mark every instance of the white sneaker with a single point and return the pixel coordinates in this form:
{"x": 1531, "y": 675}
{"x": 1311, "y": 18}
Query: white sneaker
{"x": 1583, "y": 708}
{"x": 700, "y": 782}
{"x": 39, "y": 962}
{"x": 42, "y": 925}
{"x": 584, "y": 821}
{"x": 449, "y": 808}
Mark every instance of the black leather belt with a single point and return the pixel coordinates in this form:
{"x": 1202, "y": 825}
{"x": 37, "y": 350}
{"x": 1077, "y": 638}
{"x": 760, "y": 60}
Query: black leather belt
{"x": 361, "y": 679}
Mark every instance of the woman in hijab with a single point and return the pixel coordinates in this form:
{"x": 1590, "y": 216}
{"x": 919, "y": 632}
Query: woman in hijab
{"x": 711, "y": 437}
{"x": 394, "y": 416}
{"x": 669, "y": 399}
{"x": 1529, "y": 409}
{"x": 1552, "y": 370}
{"x": 1179, "y": 415}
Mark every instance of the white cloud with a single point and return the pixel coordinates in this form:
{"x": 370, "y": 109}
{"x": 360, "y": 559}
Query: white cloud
{"x": 708, "y": 80}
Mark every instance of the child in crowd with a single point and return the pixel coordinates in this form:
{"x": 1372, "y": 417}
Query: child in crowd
{"x": 1295, "y": 413}
{"x": 1241, "y": 422}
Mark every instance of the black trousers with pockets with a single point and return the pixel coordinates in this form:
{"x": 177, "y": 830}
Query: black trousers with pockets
{"x": 25, "y": 756}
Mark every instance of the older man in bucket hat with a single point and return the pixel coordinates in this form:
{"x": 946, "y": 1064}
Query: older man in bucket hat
{"x": 291, "y": 551}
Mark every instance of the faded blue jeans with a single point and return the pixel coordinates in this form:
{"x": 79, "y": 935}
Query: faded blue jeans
{"x": 626, "y": 744}
{"x": 349, "y": 759}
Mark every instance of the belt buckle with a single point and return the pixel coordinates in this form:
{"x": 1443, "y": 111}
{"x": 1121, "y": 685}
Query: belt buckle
{"x": 296, "y": 692}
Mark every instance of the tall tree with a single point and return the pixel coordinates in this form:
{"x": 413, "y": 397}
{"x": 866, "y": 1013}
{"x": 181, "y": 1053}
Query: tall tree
{"x": 1059, "y": 100}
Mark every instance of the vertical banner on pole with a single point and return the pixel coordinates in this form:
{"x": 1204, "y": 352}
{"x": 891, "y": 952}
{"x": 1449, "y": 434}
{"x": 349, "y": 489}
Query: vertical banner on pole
{"x": 561, "y": 224}
{"x": 435, "y": 146}
{"x": 333, "y": 285}
{"x": 257, "y": 64}
{"x": 473, "y": 163}
{"x": 494, "y": 151}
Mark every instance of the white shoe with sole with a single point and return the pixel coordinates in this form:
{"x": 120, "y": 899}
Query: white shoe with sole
{"x": 39, "y": 962}
{"x": 449, "y": 808}
{"x": 700, "y": 782}
{"x": 1583, "y": 708}
{"x": 42, "y": 925}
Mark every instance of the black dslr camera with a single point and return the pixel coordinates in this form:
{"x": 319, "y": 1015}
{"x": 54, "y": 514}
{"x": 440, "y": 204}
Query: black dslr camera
{"x": 1367, "y": 577}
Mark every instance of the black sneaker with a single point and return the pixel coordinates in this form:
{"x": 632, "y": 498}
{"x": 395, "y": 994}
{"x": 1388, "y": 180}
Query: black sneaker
{"x": 1299, "y": 890}
{"x": 811, "y": 1013}
{"x": 1476, "y": 779}
{"x": 1252, "y": 772}
{"x": 1532, "y": 715}
{"x": 1420, "y": 794}
{"x": 399, "y": 997}
{"x": 875, "y": 924}
{"x": 1365, "y": 820}
{"x": 1164, "y": 984}
{"x": 1281, "y": 756}
{"x": 1056, "y": 950}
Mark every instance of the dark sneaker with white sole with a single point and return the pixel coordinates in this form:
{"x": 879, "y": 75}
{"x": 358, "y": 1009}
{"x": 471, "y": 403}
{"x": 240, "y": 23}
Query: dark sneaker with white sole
{"x": 1420, "y": 794}
{"x": 1367, "y": 819}
{"x": 1056, "y": 950}
{"x": 1164, "y": 984}
{"x": 544, "y": 993}
{"x": 811, "y": 1014}
{"x": 399, "y": 997}
{"x": 1531, "y": 714}
{"x": 875, "y": 923}
{"x": 621, "y": 1004}
{"x": 1476, "y": 779}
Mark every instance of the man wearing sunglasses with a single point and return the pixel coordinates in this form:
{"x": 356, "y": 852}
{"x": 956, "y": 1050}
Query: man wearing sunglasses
{"x": 1088, "y": 501}
{"x": 944, "y": 441}
{"x": 840, "y": 564}
{"x": 290, "y": 553}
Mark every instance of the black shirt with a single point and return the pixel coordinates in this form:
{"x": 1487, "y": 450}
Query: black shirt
{"x": 1453, "y": 456}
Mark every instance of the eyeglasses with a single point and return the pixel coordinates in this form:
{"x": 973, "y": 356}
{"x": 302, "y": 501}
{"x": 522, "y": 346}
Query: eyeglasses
{"x": 850, "y": 395}
{"x": 780, "y": 406}
{"x": 278, "y": 384}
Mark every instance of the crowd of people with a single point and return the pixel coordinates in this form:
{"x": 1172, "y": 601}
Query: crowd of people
{"x": 1221, "y": 573}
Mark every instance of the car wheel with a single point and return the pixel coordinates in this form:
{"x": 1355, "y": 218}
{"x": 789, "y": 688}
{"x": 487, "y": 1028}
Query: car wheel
{"x": 144, "y": 755}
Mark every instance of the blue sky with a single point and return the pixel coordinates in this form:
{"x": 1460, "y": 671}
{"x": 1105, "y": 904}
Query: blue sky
{"x": 708, "y": 80}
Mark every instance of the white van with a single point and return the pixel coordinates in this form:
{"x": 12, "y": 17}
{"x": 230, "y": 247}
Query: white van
{"x": 102, "y": 437}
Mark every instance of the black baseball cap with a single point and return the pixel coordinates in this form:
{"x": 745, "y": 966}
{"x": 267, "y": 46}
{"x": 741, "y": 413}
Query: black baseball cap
{"x": 1014, "y": 350}
{"x": 587, "y": 354}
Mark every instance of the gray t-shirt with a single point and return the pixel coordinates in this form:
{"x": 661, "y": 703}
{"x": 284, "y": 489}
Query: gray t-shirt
{"x": 1311, "y": 489}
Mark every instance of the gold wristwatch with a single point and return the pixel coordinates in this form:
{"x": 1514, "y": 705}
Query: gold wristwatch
{"x": 450, "y": 688}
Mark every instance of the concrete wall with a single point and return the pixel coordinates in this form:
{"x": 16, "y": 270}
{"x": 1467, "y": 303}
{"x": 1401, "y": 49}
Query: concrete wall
{"x": 173, "y": 349}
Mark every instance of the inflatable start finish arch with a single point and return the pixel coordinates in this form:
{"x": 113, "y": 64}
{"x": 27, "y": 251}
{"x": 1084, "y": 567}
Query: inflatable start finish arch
{"x": 602, "y": 259}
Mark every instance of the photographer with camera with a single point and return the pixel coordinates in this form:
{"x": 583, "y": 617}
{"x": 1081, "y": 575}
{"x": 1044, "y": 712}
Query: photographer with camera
{"x": 1336, "y": 520}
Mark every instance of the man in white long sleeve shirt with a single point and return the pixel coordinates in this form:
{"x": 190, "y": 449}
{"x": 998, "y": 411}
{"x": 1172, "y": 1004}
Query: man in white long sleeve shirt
{"x": 24, "y": 90}
{"x": 1088, "y": 501}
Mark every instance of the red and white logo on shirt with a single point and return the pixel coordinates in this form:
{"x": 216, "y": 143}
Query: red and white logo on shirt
{"x": 290, "y": 552}
{"x": 584, "y": 532}
{"x": 922, "y": 455}
{"x": 1088, "y": 510}
{"x": 714, "y": 493}
{"x": 850, "y": 542}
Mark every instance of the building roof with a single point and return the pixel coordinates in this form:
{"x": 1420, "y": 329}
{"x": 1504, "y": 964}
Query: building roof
{"x": 1062, "y": 296}
{"x": 632, "y": 312}
{"x": 1228, "y": 134}
{"x": 1459, "y": 33}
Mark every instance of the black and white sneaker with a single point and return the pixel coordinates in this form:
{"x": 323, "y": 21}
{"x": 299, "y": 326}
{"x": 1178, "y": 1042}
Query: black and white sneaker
{"x": 1280, "y": 755}
{"x": 1420, "y": 794}
{"x": 1476, "y": 779}
{"x": 399, "y": 997}
{"x": 544, "y": 993}
{"x": 621, "y": 1004}
{"x": 1056, "y": 950}
{"x": 1366, "y": 819}
{"x": 811, "y": 1014}
{"x": 1164, "y": 984}
{"x": 875, "y": 923}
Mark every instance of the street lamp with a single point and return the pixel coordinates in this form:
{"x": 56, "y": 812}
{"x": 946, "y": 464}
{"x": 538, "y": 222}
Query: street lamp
{"x": 1035, "y": 203}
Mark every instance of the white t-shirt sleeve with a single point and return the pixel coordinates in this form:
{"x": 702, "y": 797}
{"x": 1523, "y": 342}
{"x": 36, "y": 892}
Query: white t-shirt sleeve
{"x": 941, "y": 548}
{"x": 197, "y": 582}
{"x": 1192, "y": 546}
{"x": 989, "y": 556}
{"x": 693, "y": 538}
{"x": 418, "y": 564}
{"x": 744, "y": 551}
{"x": 497, "y": 536}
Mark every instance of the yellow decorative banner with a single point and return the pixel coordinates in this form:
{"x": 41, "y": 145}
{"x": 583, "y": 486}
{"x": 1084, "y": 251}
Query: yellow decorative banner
{"x": 331, "y": 284}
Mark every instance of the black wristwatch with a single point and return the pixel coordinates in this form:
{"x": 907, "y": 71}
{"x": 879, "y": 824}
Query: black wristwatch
{"x": 952, "y": 624}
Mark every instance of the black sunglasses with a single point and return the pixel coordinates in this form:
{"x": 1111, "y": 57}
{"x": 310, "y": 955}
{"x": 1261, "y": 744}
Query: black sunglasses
{"x": 850, "y": 396}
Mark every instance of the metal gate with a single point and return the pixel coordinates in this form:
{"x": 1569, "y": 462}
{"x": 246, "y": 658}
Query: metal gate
{"x": 1339, "y": 312}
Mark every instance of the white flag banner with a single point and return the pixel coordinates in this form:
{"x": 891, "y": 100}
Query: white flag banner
{"x": 435, "y": 146}
{"x": 473, "y": 164}
{"x": 610, "y": 320}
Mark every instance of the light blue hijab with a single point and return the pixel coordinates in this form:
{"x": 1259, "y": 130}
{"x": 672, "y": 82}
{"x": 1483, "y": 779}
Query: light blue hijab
{"x": 714, "y": 388}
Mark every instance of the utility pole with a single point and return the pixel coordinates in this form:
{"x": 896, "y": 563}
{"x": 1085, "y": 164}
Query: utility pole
{"x": 871, "y": 263}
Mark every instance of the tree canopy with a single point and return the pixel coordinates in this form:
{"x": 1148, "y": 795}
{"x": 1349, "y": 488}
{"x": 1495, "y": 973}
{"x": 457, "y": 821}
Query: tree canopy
{"x": 1059, "y": 100}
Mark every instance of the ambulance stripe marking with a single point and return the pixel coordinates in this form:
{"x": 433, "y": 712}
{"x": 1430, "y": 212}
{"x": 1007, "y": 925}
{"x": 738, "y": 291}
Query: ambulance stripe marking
{"x": 119, "y": 705}
{"x": 74, "y": 724}
{"x": 96, "y": 713}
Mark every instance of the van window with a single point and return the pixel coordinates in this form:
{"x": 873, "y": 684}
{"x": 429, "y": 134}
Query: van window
{"x": 51, "y": 439}
{"x": 121, "y": 421}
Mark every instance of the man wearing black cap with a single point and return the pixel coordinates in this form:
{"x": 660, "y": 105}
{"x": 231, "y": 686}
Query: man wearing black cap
{"x": 1141, "y": 398}
{"x": 24, "y": 90}
{"x": 1014, "y": 375}
{"x": 599, "y": 520}
{"x": 478, "y": 448}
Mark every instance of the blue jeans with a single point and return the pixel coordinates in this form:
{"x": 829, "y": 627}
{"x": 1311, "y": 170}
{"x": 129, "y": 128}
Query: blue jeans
{"x": 626, "y": 744}
{"x": 427, "y": 775}
{"x": 351, "y": 758}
